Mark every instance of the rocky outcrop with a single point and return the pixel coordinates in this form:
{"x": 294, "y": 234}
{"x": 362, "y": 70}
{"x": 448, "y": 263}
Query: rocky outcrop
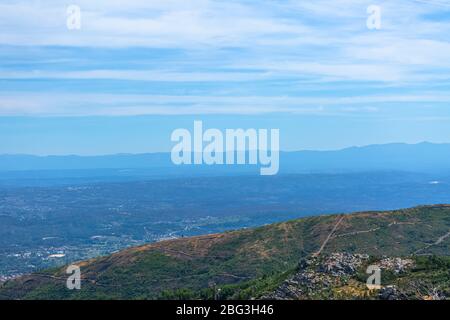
{"x": 341, "y": 275}
{"x": 315, "y": 276}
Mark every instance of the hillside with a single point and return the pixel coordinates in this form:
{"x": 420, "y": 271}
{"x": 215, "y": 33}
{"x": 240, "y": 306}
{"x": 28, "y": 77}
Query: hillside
{"x": 249, "y": 263}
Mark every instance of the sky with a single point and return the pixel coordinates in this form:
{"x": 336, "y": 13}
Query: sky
{"x": 138, "y": 69}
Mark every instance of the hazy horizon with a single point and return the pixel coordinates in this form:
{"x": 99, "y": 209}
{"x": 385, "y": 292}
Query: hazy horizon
{"x": 283, "y": 151}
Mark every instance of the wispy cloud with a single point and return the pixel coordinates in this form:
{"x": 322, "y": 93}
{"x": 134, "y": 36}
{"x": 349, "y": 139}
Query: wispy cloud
{"x": 221, "y": 57}
{"x": 126, "y": 105}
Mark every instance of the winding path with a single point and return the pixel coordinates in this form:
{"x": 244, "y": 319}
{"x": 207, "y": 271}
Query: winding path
{"x": 437, "y": 242}
{"x": 328, "y": 237}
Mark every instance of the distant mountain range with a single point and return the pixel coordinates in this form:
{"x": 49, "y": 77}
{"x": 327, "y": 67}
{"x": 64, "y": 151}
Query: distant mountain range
{"x": 322, "y": 257}
{"x": 422, "y": 157}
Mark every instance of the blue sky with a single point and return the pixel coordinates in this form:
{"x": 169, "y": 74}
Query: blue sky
{"x": 136, "y": 70}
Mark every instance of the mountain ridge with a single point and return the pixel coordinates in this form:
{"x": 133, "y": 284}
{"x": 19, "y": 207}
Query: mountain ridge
{"x": 423, "y": 157}
{"x": 242, "y": 261}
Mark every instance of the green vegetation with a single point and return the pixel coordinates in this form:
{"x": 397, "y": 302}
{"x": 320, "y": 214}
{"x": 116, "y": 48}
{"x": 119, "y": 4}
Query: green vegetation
{"x": 253, "y": 262}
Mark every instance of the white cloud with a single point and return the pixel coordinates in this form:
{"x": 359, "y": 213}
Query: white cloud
{"x": 143, "y": 23}
{"x": 316, "y": 42}
{"x": 135, "y": 75}
{"x": 115, "y": 104}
